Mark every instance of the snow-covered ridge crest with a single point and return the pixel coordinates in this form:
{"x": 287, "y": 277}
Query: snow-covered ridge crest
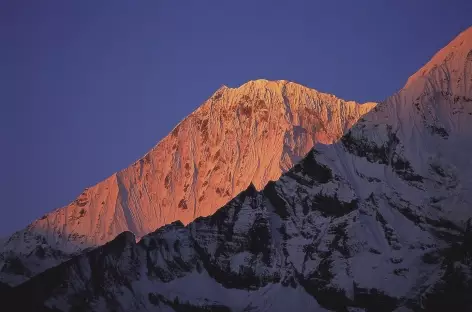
{"x": 249, "y": 134}
{"x": 449, "y": 69}
{"x": 380, "y": 220}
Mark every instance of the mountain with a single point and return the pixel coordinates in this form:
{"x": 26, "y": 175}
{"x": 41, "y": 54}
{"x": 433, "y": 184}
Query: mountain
{"x": 378, "y": 221}
{"x": 249, "y": 134}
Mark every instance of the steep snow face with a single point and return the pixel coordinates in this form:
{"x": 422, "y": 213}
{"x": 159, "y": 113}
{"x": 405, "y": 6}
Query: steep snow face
{"x": 379, "y": 221}
{"x": 249, "y": 134}
{"x": 424, "y": 132}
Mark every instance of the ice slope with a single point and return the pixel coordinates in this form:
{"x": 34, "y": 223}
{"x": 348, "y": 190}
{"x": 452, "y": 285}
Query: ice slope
{"x": 379, "y": 221}
{"x": 239, "y": 136}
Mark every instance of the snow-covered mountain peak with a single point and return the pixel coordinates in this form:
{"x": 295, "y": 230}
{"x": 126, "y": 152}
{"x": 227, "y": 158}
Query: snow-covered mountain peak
{"x": 250, "y": 134}
{"x": 263, "y": 89}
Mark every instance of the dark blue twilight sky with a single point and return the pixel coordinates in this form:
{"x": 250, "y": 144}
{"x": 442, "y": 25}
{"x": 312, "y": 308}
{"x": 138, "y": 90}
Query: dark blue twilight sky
{"x": 87, "y": 87}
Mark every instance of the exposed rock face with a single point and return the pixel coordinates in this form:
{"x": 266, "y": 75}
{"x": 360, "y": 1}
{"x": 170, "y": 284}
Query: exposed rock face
{"x": 379, "y": 221}
{"x": 250, "y": 134}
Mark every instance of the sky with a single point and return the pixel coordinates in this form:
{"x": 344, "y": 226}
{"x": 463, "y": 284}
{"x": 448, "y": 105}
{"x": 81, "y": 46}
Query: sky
{"x": 88, "y": 87}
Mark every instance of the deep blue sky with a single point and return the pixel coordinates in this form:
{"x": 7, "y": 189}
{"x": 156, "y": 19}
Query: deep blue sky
{"x": 87, "y": 87}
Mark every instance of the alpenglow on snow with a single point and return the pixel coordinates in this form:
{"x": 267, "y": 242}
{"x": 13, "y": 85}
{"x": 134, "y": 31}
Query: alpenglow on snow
{"x": 249, "y": 134}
